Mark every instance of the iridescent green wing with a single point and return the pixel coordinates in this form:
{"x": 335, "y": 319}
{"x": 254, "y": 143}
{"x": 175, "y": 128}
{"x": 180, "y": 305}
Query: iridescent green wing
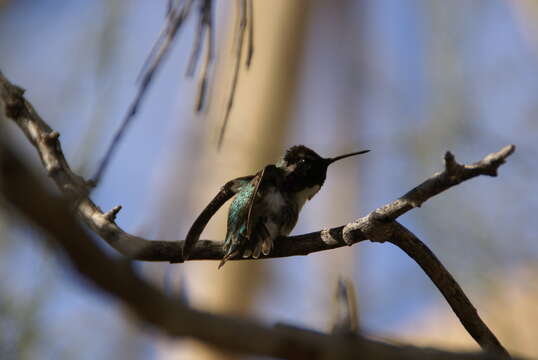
{"x": 240, "y": 213}
{"x": 258, "y": 239}
{"x": 242, "y": 219}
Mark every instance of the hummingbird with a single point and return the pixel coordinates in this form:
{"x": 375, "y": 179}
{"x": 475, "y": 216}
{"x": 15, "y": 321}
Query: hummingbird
{"x": 267, "y": 206}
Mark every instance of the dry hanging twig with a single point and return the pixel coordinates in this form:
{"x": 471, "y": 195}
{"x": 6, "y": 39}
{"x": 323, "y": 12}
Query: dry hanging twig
{"x": 245, "y": 18}
{"x": 177, "y": 14}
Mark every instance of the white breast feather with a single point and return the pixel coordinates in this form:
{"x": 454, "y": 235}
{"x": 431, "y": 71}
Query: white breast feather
{"x": 306, "y": 194}
{"x": 275, "y": 203}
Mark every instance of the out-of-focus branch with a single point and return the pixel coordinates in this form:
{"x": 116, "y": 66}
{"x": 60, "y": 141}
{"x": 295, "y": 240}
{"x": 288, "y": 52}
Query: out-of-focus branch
{"x": 205, "y": 32}
{"x": 176, "y": 16}
{"x": 244, "y": 19}
{"x": 377, "y": 226}
{"x": 346, "y": 316}
{"x": 51, "y": 214}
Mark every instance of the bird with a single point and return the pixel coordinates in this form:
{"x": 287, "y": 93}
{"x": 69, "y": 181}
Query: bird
{"x": 267, "y": 207}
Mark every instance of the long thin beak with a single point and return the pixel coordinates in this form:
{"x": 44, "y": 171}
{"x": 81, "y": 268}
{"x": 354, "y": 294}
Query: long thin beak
{"x": 331, "y": 160}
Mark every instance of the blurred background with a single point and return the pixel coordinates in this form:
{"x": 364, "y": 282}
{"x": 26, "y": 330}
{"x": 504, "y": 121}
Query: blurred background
{"x": 406, "y": 79}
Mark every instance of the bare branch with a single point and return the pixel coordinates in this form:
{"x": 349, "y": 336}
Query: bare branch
{"x": 453, "y": 174}
{"x": 379, "y": 230}
{"x": 240, "y": 36}
{"x": 51, "y": 214}
{"x": 198, "y": 36}
{"x": 447, "y": 285}
{"x": 36, "y": 130}
{"x": 205, "y": 33}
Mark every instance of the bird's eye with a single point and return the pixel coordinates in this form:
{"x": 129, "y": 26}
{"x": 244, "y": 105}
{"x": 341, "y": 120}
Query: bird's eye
{"x": 302, "y": 161}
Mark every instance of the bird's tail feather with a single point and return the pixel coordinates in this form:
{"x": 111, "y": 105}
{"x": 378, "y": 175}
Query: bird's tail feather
{"x": 227, "y": 257}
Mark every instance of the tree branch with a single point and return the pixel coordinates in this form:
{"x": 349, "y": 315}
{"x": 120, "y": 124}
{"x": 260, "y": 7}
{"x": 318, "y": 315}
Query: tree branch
{"x": 393, "y": 232}
{"x": 45, "y": 140}
{"x": 447, "y": 285}
{"x": 379, "y": 225}
{"x": 21, "y": 188}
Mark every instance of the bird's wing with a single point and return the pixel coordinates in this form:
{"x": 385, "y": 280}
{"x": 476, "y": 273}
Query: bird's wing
{"x": 241, "y": 234}
{"x": 236, "y": 235}
{"x": 225, "y": 193}
{"x": 260, "y": 234}
{"x": 258, "y": 179}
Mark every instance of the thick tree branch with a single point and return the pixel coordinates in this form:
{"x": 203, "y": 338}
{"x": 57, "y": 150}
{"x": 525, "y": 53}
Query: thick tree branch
{"x": 52, "y": 215}
{"x": 379, "y": 225}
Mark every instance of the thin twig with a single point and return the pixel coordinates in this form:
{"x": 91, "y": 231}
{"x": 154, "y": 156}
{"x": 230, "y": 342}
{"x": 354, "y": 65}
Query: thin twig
{"x": 175, "y": 19}
{"x": 209, "y": 55}
{"x": 250, "y": 21}
{"x": 196, "y": 48}
{"x": 177, "y": 13}
{"x": 238, "y": 55}
{"x": 204, "y": 23}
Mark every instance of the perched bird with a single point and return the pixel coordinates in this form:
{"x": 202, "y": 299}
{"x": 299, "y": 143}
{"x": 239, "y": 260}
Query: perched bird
{"x": 268, "y": 206}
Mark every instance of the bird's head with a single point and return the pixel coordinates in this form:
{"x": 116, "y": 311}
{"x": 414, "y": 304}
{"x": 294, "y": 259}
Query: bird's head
{"x": 305, "y": 168}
